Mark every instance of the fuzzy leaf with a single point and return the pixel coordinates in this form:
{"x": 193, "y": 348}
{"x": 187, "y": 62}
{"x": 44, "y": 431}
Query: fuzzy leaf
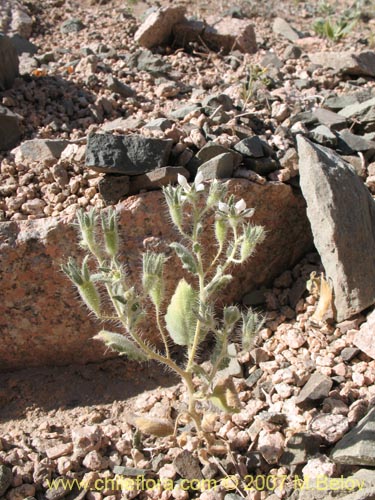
{"x": 121, "y": 344}
{"x": 220, "y": 351}
{"x": 186, "y": 258}
{"x": 225, "y": 396}
{"x": 181, "y": 317}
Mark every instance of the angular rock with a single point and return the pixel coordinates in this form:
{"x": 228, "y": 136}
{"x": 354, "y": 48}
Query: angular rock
{"x": 251, "y": 147}
{"x": 113, "y": 187}
{"x": 363, "y": 112}
{"x": 330, "y": 427}
{"x": 145, "y": 60}
{"x": 360, "y": 64}
{"x": 161, "y": 124}
{"x": 364, "y": 339}
{"x": 157, "y": 28}
{"x": 119, "y": 87}
{"x": 299, "y": 447}
{"x": 86, "y": 439}
{"x": 10, "y": 129}
{"x": 323, "y": 135}
{"x": 156, "y": 179}
{"x": 8, "y": 62}
{"x": 219, "y": 167}
{"x": 126, "y": 154}
{"x": 187, "y": 465}
{"x": 332, "y": 120}
{"x": 6, "y": 478}
{"x": 316, "y": 388}
{"x": 23, "y": 45}
{"x": 352, "y": 143}
{"x": 262, "y": 166}
{"x": 50, "y": 326}
{"x": 40, "y": 150}
{"x": 283, "y": 28}
{"x": 72, "y": 25}
{"x": 228, "y": 34}
{"x": 342, "y": 217}
{"x": 211, "y": 149}
{"x": 122, "y": 124}
{"x": 181, "y": 112}
{"x": 357, "y": 447}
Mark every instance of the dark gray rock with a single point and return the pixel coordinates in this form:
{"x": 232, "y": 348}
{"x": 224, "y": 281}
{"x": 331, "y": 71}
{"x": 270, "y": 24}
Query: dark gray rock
{"x": 354, "y": 143}
{"x": 357, "y": 446}
{"x": 10, "y": 131}
{"x": 315, "y": 389}
{"x": 211, "y": 149}
{"x": 251, "y": 147}
{"x": 323, "y": 135}
{"x": 119, "y": 87}
{"x": 349, "y": 353}
{"x": 219, "y": 167}
{"x": 292, "y": 52}
{"x": 6, "y": 478}
{"x": 332, "y": 120}
{"x": 71, "y": 26}
{"x": 161, "y": 124}
{"x": 126, "y": 154}
{"x": 113, "y": 187}
{"x": 253, "y": 378}
{"x": 299, "y": 447}
{"x": 214, "y": 101}
{"x": 342, "y": 217}
{"x": 156, "y": 179}
{"x": 363, "y": 112}
{"x": 341, "y": 101}
{"x": 23, "y": 45}
{"x": 270, "y": 60}
{"x": 187, "y": 466}
{"x": 262, "y": 166}
{"x": 8, "y": 62}
{"x": 145, "y": 60}
{"x": 181, "y": 112}
{"x": 283, "y": 28}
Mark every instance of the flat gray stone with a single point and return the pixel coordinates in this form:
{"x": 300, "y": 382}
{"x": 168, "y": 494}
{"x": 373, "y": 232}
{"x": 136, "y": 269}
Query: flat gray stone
{"x": 323, "y": 135}
{"x": 10, "y": 129}
{"x": 315, "y": 389}
{"x": 156, "y": 179}
{"x": 113, "y": 187}
{"x": 23, "y": 45}
{"x": 342, "y": 217}
{"x": 358, "y": 445}
{"x": 161, "y": 124}
{"x": 72, "y": 25}
{"x": 330, "y": 119}
{"x": 299, "y": 447}
{"x": 126, "y": 154}
{"x": 219, "y": 167}
{"x": 356, "y": 64}
{"x": 181, "y": 112}
{"x": 355, "y": 143}
{"x": 42, "y": 150}
{"x": 8, "y": 62}
{"x": 283, "y": 28}
{"x": 251, "y": 147}
{"x": 119, "y": 87}
{"x": 145, "y": 60}
{"x": 211, "y": 149}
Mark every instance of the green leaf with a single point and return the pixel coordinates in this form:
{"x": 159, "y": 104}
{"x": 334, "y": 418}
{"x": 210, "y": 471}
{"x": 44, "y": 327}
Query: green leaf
{"x": 252, "y": 322}
{"x": 220, "y": 352}
{"x": 224, "y": 396}
{"x": 122, "y": 345}
{"x": 181, "y": 317}
{"x": 187, "y": 259}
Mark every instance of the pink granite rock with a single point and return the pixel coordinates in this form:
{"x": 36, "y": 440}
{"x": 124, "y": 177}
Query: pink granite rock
{"x": 157, "y": 28}
{"x": 42, "y": 320}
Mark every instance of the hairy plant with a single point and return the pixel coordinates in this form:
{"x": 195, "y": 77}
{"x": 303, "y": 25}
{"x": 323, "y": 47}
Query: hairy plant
{"x": 190, "y": 315}
{"x": 255, "y": 77}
